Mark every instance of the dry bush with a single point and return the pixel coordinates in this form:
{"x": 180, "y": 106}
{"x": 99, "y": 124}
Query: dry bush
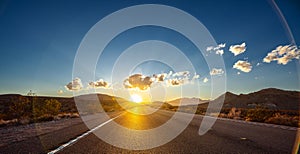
{"x": 8, "y": 122}
{"x": 259, "y": 114}
{"x": 234, "y": 113}
{"x": 67, "y": 115}
{"x": 20, "y": 108}
{"x": 284, "y": 120}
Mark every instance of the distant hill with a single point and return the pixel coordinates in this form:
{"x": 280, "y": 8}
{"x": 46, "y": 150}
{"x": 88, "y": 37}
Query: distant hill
{"x": 186, "y": 101}
{"x": 270, "y": 98}
{"x": 161, "y": 105}
{"x": 88, "y": 103}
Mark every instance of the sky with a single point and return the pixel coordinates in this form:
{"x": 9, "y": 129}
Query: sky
{"x": 39, "y": 41}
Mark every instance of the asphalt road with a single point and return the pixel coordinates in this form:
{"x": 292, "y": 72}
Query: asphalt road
{"x": 226, "y": 136}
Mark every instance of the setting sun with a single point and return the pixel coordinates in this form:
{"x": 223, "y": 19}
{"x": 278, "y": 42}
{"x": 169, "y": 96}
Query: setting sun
{"x": 136, "y": 98}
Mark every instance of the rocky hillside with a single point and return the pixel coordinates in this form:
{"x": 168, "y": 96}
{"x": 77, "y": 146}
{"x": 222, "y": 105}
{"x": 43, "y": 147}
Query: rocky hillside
{"x": 271, "y": 98}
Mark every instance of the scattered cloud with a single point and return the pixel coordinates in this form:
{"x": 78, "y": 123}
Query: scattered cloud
{"x": 183, "y": 73}
{"x": 243, "y": 66}
{"x": 138, "y": 81}
{"x": 175, "y": 82}
{"x": 283, "y": 54}
{"x": 74, "y": 85}
{"x": 238, "y": 49}
{"x": 217, "y": 49}
{"x": 219, "y": 52}
{"x": 209, "y": 48}
{"x": 205, "y": 80}
{"x": 143, "y": 82}
{"x": 160, "y": 77}
{"x": 196, "y": 76}
{"x": 216, "y": 71}
{"x": 59, "y": 92}
{"x": 99, "y": 84}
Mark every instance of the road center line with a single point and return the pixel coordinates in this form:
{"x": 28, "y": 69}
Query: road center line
{"x": 81, "y": 136}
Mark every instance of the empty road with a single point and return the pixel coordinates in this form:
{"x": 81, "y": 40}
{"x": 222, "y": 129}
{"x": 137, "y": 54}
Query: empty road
{"x": 226, "y": 136}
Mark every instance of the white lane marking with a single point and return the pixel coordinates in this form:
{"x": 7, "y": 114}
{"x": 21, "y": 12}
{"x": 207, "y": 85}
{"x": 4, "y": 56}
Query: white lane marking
{"x": 81, "y": 136}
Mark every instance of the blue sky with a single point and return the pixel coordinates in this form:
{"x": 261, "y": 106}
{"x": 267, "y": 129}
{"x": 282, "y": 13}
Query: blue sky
{"x": 39, "y": 40}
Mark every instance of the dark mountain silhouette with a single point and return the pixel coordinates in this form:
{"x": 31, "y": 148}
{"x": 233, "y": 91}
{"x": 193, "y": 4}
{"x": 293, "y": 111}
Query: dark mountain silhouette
{"x": 87, "y": 103}
{"x": 270, "y": 98}
{"x": 186, "y": 101}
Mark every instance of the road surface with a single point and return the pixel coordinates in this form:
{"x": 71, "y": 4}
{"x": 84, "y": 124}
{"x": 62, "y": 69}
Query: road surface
{"x": 226, "y": 136}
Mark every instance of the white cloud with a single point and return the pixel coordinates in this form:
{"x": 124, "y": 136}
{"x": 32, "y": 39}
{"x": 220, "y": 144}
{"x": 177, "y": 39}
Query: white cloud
{"x": 99, "y": 84}
{"x": 283, "y": 54}
{"x": 238, "y": 49}
{"x": 169, "y": 74}
{"x": 196, "y": 76}
{"x": 160, "y": 77}
{"x": 74, "y": 85}
{"x": 219, "y": 52}
{"x": 216, "y": 71}
{"x": 209, "y": 48}
{"x": 175, "y": 82}
{"x": 272, "y": 56}
{"x": 205, "y": 80}
{"x": 243, "y": 66}
{"x": 59, "y": 92}
{"x": 143, "y": 82}
{"x": 222, "y": 45}
{"x": 138, "y": 81}
{"x": 217, "y": 49}
{"x": 183, "y": 73}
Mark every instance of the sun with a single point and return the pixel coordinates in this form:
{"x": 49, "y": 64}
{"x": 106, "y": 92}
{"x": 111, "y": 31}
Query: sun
{"x": 136, "y": 98}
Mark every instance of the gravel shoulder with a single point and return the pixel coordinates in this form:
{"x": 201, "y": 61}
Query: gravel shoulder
{"x": 12, "y": 134}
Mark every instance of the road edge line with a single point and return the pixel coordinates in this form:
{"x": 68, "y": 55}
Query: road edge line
{"x": 72, "y": 141}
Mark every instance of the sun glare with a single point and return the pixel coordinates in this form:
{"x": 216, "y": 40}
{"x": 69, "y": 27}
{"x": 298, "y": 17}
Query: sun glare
{"x": 136, "y": 98}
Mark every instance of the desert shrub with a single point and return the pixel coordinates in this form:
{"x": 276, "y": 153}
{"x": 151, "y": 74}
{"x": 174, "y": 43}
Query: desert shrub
{"x": 234, "y": 113}
{"x": 8, "y": 122}
{"x": 2, "y": 116}
{"x": 283, "y": 120}
{"x": 201, "y": 110}
{"x": 52, "y": 106}
{"x": 21, "y": 108}
{"x": 225, "y": 110}
{"x": 38, "y": 109}
{"x": 46, "y": 107}
{"x": 259, "y": 114}
{"x": 222, "y": 115}
{"x": 244, "y": 112}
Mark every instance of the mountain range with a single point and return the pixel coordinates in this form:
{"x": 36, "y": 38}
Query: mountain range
{"x": 271, "y": 98}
